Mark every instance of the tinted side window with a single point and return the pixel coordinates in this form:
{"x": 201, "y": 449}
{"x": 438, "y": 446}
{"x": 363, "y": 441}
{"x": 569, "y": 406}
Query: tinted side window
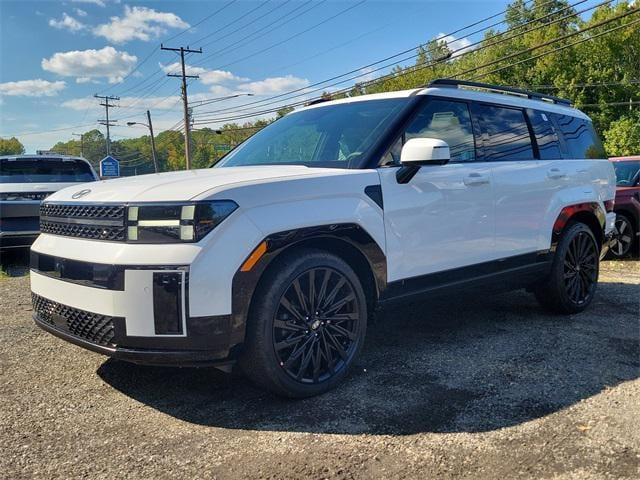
{"x": 546, "y": 135}
{"x": 580, "y": 137}
{"x": 448, "y": 121}
{"x": 505, "y": 133}
{"x": 442, "y": 119}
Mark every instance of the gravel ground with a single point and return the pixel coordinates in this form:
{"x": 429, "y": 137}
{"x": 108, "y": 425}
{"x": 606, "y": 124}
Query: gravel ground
{"x": 453, "y": 388}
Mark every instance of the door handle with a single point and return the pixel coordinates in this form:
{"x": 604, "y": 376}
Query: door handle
{"x": 476, "y": 178}
{"x": 556, "y": 173}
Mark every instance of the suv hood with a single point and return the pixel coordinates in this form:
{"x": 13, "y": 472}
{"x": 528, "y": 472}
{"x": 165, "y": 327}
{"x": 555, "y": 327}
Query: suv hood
{"x": 185, "y": 185}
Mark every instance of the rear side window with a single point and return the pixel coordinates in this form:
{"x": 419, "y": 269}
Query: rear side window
{"x": 546, "y": 135}
{"x": 505, "y": 133}
{"x": 44, "y": 170}
{"x": 580, "y": 137}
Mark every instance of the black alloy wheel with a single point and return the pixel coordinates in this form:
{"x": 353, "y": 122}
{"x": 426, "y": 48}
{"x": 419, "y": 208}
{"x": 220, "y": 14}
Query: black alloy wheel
{"x": 572, "y": 280}
{"x": 306, "y": 324}
{"x": 315, "y": 329}
{"x": 581, "y": 268}
{"x": 622, "y": 240}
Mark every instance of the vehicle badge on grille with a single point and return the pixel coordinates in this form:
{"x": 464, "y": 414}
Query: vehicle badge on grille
{"x": 81, "y": 193}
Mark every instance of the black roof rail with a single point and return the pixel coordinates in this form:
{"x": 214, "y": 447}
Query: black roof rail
{"x": 317, "y": 101}
{"x": 450, "y": 82}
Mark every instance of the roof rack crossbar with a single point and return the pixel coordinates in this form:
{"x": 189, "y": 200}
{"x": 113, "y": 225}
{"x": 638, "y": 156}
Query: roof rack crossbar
{"x": 453, "y": 83}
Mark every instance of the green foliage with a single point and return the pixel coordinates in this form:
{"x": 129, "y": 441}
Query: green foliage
{"x": 11, "y": 146}
{"x": 623, "y": 136}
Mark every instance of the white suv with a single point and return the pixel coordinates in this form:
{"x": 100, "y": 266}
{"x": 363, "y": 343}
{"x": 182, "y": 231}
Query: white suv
{"x": 276, "y": 257}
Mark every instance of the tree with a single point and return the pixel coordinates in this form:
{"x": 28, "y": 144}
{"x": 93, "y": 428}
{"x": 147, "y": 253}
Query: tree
{"x": 11, "y": 146}
{"x": 623, "y": 136}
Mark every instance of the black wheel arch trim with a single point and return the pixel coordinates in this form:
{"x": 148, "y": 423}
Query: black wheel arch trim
{"x": 591, "y": 209}
{"x": 349, "y": 234}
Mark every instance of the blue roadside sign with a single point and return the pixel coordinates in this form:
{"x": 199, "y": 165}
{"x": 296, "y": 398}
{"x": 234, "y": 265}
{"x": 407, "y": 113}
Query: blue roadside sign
{"x": 109, "y": 167}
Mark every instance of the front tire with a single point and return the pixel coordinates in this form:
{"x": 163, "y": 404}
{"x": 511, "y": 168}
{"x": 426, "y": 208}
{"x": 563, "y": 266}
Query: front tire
{"x": 306, "y": 325}
{"x": 573, "y": 280}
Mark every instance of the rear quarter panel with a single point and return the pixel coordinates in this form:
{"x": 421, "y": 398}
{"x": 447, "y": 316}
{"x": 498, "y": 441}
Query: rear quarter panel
{"x": 587, "y": 181}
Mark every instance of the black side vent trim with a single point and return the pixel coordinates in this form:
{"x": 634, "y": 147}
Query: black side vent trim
{"x": 374, "y": 192}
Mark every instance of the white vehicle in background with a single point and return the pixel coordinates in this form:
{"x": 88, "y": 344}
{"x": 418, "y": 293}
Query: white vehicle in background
{"x": 26, "y": 180}
{"x": 276, "y": 257}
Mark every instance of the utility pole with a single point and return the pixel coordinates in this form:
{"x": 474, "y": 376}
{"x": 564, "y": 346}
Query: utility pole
{"x": 185, "y": 102}
{"x": 153, "y": 143}
{"x": 106, "y": 122}
{"x": 81, "y": 135}
{"x": 153, "y": 140}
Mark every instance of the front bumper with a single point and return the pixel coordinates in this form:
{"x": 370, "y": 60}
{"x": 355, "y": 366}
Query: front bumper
{"x": 19, "y": 225}
{"x": 135, "y": 313}
{"x": 143, "y": 356}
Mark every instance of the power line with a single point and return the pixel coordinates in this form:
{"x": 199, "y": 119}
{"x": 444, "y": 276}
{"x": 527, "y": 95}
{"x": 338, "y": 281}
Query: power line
{"x": 466, "y": 50}
{"x": 502, "y": 37}
{"x": 244, "y": 15}
{"x": 264, "y": 27}
{"x": 375, "y": 81}
{"x": 296, "y": 35}
{"x": 211, "y": 15}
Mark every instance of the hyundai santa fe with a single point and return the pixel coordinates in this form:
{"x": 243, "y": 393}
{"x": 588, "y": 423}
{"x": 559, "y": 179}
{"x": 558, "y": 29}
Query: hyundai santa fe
{"x": 275, "y": 259}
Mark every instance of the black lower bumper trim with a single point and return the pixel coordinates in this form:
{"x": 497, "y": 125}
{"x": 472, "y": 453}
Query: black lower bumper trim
{"x": 182, "y": 358}
{"x": 17, "y": 240}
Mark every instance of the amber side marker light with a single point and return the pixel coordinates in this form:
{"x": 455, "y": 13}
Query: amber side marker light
{"x": 254, "y": 257}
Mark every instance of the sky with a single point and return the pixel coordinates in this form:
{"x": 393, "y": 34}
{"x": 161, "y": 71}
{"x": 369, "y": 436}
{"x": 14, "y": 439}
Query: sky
{"x": 54, "y": 56}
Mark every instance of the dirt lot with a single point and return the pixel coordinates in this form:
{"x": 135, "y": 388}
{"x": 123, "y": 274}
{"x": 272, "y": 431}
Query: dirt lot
{"x": 454, "y": 388}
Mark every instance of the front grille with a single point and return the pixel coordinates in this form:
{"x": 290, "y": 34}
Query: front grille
{"x": 95, "y": 328}
{"x": 112, "y": 212}
{"x": 95, "y": 222}
{"x": 83, "y": 231}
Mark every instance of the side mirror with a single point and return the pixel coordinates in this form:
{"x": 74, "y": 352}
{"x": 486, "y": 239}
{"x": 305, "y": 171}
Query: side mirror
{"x": 418, "y": 152}
{"x": 425, "y": 151}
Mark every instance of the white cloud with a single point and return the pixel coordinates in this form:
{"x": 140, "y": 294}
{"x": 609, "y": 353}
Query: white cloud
{"x": 273, "y": 85}
{"x": 31, "y": 88}
{"x": 99, "y": 3}
{"x": 80, "y": 12}
{"x": 219, "y": 76}
{"x": 105, "y": 63}
{"x": 220, "y": 90}
{"x": 67, "y": 22}
{"x": 139, "y": 23}
{"x": 208, "y": 77}
{"x": 137, "y": 103}
{"x": 458, "y": 45}
{"x": 176, "y": 68}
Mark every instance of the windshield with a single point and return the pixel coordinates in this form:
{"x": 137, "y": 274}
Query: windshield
{"x": 44, "y": 170}
{"x": 627, "y": 173}
{"x": 338, "y": 136}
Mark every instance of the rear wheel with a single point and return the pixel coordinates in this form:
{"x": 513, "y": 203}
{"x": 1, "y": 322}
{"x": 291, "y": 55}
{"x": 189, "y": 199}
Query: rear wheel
{"x": 623, "y": 236}
{"x": 306, "y": 326}
{"x": 573, "y": 280}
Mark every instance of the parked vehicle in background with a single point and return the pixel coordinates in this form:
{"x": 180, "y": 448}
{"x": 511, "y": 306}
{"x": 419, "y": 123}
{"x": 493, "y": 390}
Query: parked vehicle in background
{"x": 26, "y": 180}
{"x": 626, "y": 234}
{"x": 276, "y": 257}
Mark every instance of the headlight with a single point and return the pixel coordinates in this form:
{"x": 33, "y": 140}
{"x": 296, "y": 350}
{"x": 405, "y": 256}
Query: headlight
{"x": 175, "y": 223}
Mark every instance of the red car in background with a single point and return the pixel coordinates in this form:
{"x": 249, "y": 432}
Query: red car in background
{"x": 627, "y": 207}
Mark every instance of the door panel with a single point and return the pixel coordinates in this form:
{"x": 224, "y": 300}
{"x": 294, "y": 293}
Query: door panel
{"x": 524, "y": 191}
{"x": 442, "y": 219}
